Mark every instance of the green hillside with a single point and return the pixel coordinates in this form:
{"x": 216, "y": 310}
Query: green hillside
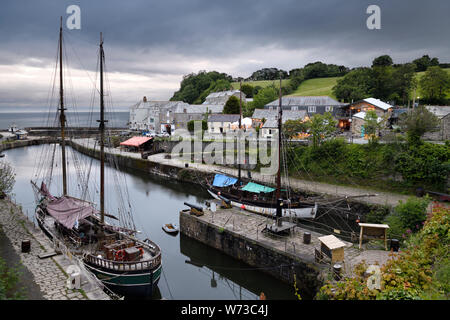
{"x": 316, "y": 87}
{"x": 261, "y": 83}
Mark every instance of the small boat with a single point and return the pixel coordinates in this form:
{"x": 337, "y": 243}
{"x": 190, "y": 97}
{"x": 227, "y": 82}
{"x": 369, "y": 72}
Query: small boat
{"x": 2, "y": 155}
{"x": 170, "y": 228}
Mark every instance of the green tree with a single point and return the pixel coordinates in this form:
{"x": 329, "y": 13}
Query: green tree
{"x": 247, "y": 89}
{"x": 193, "y": 85}
{"x": 417, "y": 122}
{"x": 435, "y": 84}
{"x": 232, "y": 106}
{"x": 265, "y": 96}
{"x": 372, "y": 126}
{"x": 292, "y": 127}
{"x": 424, "y": 62}
{"x": 7, "y": 178}
{"x": 191, "y": 125}
{"x": 382, "y": 61}
{"x": 383, "y": 84}
{"x": 321, "y": 127}
{"x": 355, "y": 85}
{"x": 404, "y": 80}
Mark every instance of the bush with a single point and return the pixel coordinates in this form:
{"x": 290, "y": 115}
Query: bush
{"x": 413, "y": 212}
{"x": 419, "y": 272}
{"x": 7, "y": 178}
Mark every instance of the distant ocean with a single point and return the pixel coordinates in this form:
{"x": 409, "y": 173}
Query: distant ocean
{"x": 79, "y": 119}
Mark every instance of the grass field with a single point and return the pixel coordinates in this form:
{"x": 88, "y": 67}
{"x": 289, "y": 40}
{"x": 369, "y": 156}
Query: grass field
{"x": 316, "y": 87}
{"x": 261, "y": 83}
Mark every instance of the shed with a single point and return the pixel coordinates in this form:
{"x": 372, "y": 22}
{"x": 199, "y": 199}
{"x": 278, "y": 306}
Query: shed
{"x": 332, "y": 247}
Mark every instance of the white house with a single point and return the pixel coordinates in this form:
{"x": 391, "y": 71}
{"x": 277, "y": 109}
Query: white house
{"x": 221, "y": 123}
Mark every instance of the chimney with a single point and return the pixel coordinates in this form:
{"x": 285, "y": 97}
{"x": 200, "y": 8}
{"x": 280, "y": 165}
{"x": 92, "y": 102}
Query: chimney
{"x": 145, "y": 99}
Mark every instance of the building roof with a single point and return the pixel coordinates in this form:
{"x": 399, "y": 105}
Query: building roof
{"x": 378, "y": 103}
{"x": 199, "y": 108}
{"x": 223, "y": 118}
{"x": 273, "y": 115}
{"x": 362, "y": 115}
{"x": 439, "y": 111}
{"x": 224, "y": 94}
{"x": 135, "y": 141}
{"x": 306, "y": 101}
{"x": 159, "y": 104}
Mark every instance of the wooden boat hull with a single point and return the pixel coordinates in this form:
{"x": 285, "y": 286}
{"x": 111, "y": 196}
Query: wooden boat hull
{"x": 127, "y": 283}
{"x": 130, "y": 283}
{"x": 304, "y": 213}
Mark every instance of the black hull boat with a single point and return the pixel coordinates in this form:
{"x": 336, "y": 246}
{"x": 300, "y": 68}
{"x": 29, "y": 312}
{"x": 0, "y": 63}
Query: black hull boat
{"x": 110, "y": 252}
{"x": 257, "y": 198}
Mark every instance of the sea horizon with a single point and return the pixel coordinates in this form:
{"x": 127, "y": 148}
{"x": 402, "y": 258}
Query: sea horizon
{"x": 23, "y": 119}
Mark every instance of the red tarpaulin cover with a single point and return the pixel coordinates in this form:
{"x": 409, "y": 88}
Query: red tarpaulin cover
{"x": 135, "y": 141}
{"x": 67, "y": 210}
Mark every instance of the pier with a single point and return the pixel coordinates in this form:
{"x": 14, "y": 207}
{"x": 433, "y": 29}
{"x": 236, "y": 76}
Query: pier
{"x": 244, "y": 236}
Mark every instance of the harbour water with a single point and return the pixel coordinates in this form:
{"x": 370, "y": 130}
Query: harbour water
{"x": 79, "y": 119}
{"x": 191, "y": 270}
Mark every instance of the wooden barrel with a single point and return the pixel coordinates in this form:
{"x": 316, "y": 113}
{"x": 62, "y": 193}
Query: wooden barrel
{"x": 307, "y": 238}
{"x": 26, "y": 246}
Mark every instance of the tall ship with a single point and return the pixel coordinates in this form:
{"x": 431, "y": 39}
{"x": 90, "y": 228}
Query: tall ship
{"x": 103, "y": 244}
{"x": 249, "y": 195}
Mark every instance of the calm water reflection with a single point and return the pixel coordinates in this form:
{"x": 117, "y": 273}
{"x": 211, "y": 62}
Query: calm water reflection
{"x": 191, "y": 270}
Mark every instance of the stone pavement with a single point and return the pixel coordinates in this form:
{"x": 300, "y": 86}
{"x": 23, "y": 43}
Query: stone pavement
{"x": 48, "y": 273}
{"x": 249, "y": 225}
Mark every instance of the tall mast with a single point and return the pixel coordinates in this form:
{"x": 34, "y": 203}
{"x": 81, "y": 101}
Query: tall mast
{"x": 102, "y": 137}
{"x": 280, "y": 113}
{"x": 62, "y": 116}
{"x": 239, "y": 132}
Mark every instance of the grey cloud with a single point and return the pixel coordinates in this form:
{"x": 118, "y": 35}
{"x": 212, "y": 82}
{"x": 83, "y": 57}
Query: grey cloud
{"x": 155, "y": 38}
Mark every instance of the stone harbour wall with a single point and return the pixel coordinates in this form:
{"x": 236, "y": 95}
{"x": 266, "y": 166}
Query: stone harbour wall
{"x": 281, "y": 265}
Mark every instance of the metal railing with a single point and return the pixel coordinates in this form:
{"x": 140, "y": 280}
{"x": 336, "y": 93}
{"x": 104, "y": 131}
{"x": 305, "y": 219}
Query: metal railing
{"x": 124, "y": 265}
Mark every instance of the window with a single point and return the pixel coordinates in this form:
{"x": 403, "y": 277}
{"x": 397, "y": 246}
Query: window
{"x": 311, "y": 108}
{"x": 294, "y": 108}
{"x": 329, "y": 109}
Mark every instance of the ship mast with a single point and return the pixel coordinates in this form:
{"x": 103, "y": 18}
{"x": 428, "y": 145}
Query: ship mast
{"x": 239, "y": 132}
{"x": 62, "y": 116}
{"x": 278, "y": 192}
{"x": 102, "y": 137}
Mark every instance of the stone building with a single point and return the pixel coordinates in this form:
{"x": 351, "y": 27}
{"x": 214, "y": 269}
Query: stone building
{"x": 154, "y": 115}
{"x": 270, "y": 126}
{"x": 222, "y": 97}
{"x": 183, "y": 114}
{"x": 221, "y": 123}
{"x": 442, "y": 133}
{"x": 357, "y": 111}
{"x": 310, "y": 104}
{"x": 167, "y": 116}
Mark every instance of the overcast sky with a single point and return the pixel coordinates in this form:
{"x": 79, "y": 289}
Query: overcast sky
{"x": 150, "y": 45}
